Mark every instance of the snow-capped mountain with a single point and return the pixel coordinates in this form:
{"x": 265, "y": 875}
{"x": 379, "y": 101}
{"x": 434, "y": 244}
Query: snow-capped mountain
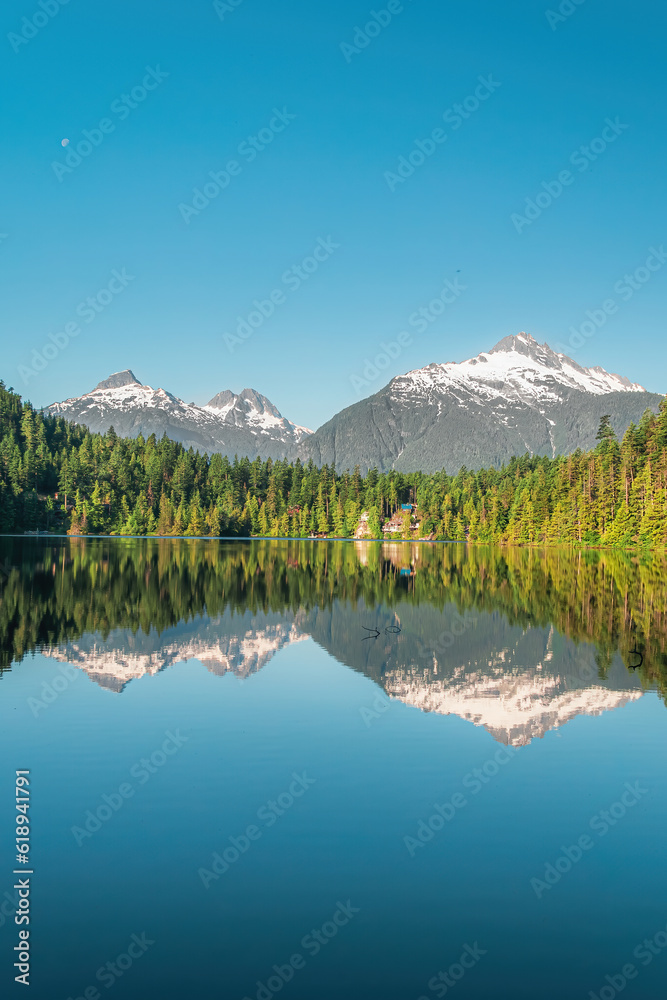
{"x": 244, "y": 424}
{"x": 516, "y": 368}
{"x": 520, "y": 396}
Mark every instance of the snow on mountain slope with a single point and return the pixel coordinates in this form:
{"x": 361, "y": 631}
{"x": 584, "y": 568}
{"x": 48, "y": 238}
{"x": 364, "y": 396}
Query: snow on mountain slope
{"x": 517, "y": 368}
{"x": 243, "y": 424}
{"x": 124, "y": 393}
{"x": 253, "y": 409}
{"x": 114, "y": 662}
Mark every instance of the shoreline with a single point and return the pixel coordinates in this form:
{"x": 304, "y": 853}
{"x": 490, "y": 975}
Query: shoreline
{"x": 579, "y": 546}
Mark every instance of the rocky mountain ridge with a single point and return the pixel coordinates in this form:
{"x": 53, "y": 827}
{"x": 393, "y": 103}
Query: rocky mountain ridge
{"x": 246, "y": 423}
{"x": 518, "y": 397}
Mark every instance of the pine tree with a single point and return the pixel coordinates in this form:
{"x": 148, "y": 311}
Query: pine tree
{"x": 196, "y": 524}
{"x": 623, "y": 528}
{"x": 165, "y": 521}
{"x": 264, "y": 526}
{"x": 179, "y": 520}
{"x": 340, "y": 529}
{"x": 95, "y": 512}
{"x": 322, "y": 520}
{"x": 459, "y": 532}
{"x": 214, "y": 523}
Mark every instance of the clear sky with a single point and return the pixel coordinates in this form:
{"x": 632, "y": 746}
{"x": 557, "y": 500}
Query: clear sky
{"x": 201, "y": 78}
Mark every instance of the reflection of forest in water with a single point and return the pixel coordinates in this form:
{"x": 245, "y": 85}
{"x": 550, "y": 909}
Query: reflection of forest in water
{"x": 54, "y": 592}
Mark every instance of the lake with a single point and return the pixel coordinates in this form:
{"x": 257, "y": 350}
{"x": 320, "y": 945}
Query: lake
{"x": 335, "y": 769}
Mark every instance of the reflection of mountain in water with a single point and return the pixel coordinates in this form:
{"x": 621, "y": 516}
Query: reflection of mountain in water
{"x": 512, "y": 707}
{"x": 229, "y": 643}
{"x": 516, "y": 640}
{"x": 517, "y": 683}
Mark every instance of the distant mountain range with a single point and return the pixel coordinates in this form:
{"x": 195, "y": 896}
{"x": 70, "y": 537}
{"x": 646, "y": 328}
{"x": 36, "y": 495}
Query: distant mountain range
{"x": 244, "y": 424}
{"x": 519, "y": 396}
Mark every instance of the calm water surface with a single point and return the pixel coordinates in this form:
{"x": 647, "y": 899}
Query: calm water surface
{"x": 335, "y": 769}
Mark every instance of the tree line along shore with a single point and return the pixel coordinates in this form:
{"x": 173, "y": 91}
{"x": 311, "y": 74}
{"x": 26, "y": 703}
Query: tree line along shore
{"x": 59, "y": 477}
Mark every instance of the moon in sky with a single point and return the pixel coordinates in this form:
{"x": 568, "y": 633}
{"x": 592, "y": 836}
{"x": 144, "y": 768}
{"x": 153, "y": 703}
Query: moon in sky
{"x": 65, "y": 142}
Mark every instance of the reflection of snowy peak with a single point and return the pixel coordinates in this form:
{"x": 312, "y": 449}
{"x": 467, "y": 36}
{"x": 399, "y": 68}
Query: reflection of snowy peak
{"x": 516, "y": 683}
{"x": 514, "y": 703}
{"x": 246, "y": 654}
{"x": 513, "y": 708}
{"x": 115, "y": 662}
{"x": 247, "y": 423}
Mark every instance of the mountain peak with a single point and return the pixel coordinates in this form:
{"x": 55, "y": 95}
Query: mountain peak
{"x": 117, "y": 380}
{"x": 221, "y": 400}
{"x": 230, "y": 424}
{"x": 562, "y": 367}
{"x": 259, "y": 402}
{"x": 248, "y": 400}
{"x": 521, "y": 343}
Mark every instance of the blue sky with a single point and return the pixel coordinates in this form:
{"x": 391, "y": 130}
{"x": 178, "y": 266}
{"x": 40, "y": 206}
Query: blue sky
{"x": 327, "y": 177}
